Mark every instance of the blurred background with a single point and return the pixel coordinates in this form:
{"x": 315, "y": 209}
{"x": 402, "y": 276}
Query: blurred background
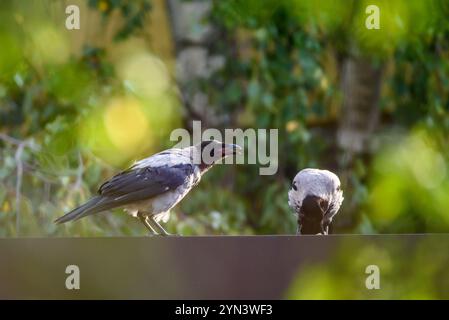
{"x": 77, "y": 106}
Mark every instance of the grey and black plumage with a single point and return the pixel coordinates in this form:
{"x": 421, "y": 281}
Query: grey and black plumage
{"x": 316, "y": 197}
{"x": 154, "y": 185}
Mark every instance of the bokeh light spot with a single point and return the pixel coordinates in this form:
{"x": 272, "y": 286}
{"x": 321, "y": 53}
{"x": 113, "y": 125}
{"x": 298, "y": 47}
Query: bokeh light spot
{"x": 126, "y": 124}
{"x": 144, "y": 74}
{"x": 49, "y": 46}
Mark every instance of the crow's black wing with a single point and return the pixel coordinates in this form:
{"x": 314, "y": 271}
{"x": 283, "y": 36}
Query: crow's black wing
{"x": 138, "y": 184}
{"x": 141, "y": 182}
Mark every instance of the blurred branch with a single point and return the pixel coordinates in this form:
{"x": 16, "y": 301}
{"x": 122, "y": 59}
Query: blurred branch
{"x": 21, "y": 144}
{"x": 10, "y": 140}
{"x": 17, "y": 142}
{"x": 79, "y": 173}
{"x": 79, "y": 177}
{"x": 18, "y": 157}
{"x": 34, "y": 170}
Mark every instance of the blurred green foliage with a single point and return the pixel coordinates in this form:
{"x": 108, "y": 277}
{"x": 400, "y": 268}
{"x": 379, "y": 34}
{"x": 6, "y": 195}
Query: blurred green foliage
{"x": 73, "y": 115}
{"x": 410, "y": 185}
{"x": 406, "y": 271}
{"x": 287, "y": 76}
{"x": 134, "y": 12}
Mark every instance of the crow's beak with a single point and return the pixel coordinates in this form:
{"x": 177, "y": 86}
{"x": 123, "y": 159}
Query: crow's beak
{"x": 231, "y": 149}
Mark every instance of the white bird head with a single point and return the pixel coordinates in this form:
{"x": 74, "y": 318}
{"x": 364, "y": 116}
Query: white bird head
{"x": 316, "y": 197}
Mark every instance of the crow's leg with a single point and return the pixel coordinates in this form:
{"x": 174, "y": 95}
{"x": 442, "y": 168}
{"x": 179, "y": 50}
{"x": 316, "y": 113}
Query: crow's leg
{"x": 330, "y": 228}
{"x": 298, "y": 230}
{"x": 157, "y": 226}
{"x": 143, "y": 219}
{"x": 325, "y": 223}
{"x": 300, "y": 217}
{"x": 323, "y": 228}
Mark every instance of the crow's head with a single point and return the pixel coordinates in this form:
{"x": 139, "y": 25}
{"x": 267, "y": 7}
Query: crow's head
{"x": 315, "y": 196}
{"x": 207, "y": 153}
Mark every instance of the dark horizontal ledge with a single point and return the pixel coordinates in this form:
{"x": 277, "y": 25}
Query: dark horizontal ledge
{"x": 207, "y": 267}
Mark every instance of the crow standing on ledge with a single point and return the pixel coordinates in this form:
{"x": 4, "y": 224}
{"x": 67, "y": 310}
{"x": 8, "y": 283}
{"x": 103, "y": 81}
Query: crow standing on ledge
{"x": 315, "y": 196}
{"x": 154, "y": 185}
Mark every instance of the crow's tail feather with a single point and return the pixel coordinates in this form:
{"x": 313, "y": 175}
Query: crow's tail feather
{"x": 92, "y": 206}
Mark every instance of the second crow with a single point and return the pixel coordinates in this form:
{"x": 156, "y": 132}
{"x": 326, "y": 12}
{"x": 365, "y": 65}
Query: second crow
{"x": 316, "y": 197}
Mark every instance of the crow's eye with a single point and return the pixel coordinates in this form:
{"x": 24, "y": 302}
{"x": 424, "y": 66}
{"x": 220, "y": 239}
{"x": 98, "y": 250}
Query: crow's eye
{"x": 294, "y": 187}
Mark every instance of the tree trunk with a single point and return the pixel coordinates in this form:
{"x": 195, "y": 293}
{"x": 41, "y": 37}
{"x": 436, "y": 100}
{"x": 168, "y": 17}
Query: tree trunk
{"x": 192, "y": 37}
{"x": 361, "y": 82}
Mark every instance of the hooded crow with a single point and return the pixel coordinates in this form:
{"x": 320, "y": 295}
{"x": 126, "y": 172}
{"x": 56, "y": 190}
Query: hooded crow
{"x": 154, "y": 185}
{"x": 315, "y": 196}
